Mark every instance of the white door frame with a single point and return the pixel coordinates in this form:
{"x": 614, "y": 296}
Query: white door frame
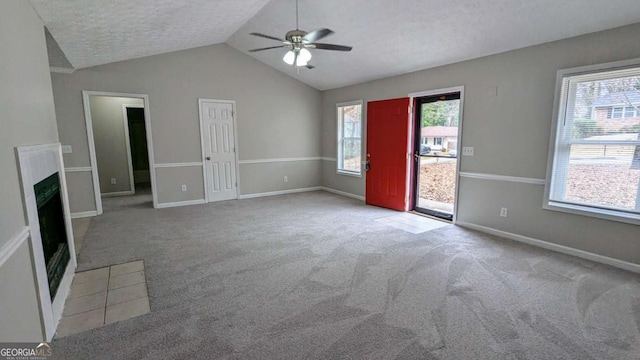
{"x": 202, "y": 146}
{"x": 92, "y": 147}
{"x": 128, "y": 141}
{"x": 453, "y": 89}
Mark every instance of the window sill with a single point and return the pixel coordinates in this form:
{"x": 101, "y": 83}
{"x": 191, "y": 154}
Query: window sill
{"x": 349, "y": 173}
{"x": 606, "y": 214}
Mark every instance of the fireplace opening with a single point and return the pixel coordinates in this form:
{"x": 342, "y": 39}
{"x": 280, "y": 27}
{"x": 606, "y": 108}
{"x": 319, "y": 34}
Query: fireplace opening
{"x": 52, "y": 230}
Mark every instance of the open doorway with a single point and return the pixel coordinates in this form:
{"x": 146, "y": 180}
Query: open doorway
{"x": 437, "y": 130}
{"x": 137, "y": 147}
{"x": 120, "y": 148}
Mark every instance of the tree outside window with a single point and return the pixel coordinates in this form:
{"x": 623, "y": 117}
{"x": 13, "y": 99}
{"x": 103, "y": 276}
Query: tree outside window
{"x": 349, "y": 138}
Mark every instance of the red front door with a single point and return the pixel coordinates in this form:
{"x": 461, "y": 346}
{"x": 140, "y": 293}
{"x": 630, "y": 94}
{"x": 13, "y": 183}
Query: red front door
{"x": 387, "y": 151}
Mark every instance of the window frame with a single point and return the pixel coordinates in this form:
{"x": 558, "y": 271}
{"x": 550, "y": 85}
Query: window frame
{"x": 340, "y": 139}
{"x": 562, "y": 101}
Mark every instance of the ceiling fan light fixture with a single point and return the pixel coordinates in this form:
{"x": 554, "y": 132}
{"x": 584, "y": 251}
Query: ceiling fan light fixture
{"x": 297, "y": 41}
{"x": 289, "y": 57}
{"x": 304, "y": 55}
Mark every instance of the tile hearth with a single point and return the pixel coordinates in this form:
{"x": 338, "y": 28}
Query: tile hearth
{"x": 103, "y": 296}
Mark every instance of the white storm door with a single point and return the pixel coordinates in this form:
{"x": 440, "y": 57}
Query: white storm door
{"x": 219, "y": 150}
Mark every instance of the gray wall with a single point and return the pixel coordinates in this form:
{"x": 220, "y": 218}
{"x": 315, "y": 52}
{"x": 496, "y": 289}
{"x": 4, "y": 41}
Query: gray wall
{"x": 81, "y": 196}
{"x": 107, "y": 120}
{"x": 27, "y": 117}
{"x": 277, "y": 116}
{"x": 510, "y": 134}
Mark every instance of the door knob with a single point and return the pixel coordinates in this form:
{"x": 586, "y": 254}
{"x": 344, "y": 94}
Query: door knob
{"x": 208, "y": 158}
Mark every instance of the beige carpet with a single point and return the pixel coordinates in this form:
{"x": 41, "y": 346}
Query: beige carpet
{"x": 314, "y": 276}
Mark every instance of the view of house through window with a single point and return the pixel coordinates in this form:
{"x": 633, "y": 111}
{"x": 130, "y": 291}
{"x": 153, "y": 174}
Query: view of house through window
{"x": 597, "y": 153}
{"x": 437, "y": 154}
{"x": 349, "y": 137}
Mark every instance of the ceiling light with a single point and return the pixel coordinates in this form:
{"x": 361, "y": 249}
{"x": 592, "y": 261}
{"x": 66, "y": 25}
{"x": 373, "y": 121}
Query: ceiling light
{"x": 303, "y": 57}
{"x": 289, "y": 57}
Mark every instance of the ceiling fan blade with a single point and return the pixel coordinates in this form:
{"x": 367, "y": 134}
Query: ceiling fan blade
{"x": 268, "y": 48}
{"x": 316, "y": 35}
{"x": 332, "y": 47}
{"x": 309, "y": 66}
{"x": 267, "y": 36}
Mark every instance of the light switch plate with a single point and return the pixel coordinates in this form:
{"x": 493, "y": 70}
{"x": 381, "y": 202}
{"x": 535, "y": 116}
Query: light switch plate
{"x": 467, "y": 150}
{"x": 66, "y": 149}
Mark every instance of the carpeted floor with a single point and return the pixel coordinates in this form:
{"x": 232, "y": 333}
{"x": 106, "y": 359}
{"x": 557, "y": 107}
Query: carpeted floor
{"x": 314, "y": 276}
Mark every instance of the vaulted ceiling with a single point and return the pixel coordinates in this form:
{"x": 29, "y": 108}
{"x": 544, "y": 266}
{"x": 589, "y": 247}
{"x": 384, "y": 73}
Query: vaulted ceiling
{"x": 388, "y": 37}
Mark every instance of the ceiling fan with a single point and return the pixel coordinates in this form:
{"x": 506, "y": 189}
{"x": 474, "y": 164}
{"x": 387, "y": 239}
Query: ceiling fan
{"x": 298, "y": 42}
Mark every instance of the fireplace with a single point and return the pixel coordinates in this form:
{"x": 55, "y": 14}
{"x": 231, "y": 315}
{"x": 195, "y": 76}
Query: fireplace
{"x": 48, "y": 220}
{"x": 52, "y": 230}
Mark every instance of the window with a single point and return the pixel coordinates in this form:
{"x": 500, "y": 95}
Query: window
{"x": 349, "y": 138}
{"x": 629, "y": 112}
{"x": 617, "y": 112}
{"x": 437, "y": 141}
{"x": 595, "y": 166}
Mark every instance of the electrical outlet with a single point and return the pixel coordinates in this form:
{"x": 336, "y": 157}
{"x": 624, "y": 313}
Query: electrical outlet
{"x": 467, "y": 150}
{"x": 66, "y": 149}
{"x": 503, "y": 212}
{"x": 286, "y": 178}
{"x": 113, "y": 181}
{"x": 184, "y": 187}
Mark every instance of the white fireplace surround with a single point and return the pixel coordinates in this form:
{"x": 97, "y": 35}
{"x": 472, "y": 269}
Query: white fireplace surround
{"x": 36, "y": 163}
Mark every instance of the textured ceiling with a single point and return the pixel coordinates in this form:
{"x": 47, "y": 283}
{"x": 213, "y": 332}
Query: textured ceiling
{"x": 396, "y": 37}
{"x": 389, "y": 37}
{"x": 92, "y": 32}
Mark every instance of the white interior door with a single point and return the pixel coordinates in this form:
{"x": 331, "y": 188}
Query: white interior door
{"x": 219, "y": 150}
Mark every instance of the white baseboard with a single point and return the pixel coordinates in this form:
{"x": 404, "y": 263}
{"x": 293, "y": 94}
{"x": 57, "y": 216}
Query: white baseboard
{"x": 554, "y": 247}
{"x": 84, "y": 214}
{"x": 338, "y": 192}
{"x": 180, "y": 203}
{"x": 13, "y": 244}
{"x": 118, "y": 193}
{"x": 281, "y": 192}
